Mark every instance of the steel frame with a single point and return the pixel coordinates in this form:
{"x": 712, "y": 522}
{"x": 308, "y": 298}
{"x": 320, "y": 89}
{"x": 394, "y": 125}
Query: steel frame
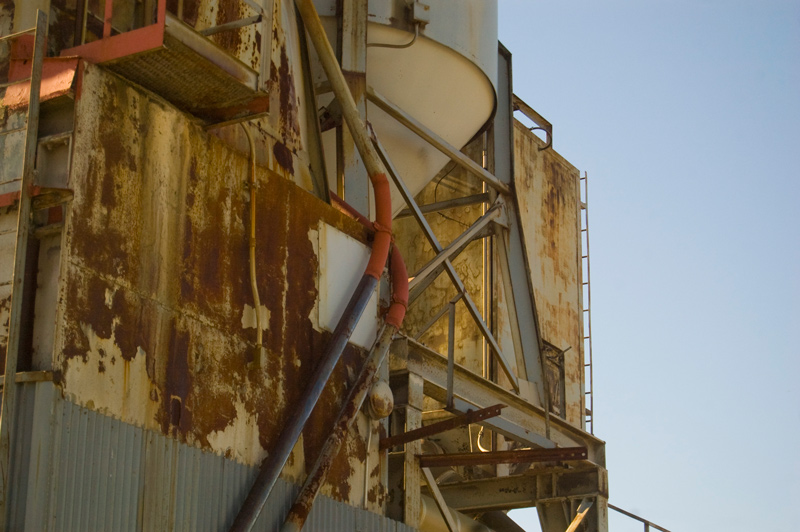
{"x": 7, "y": 412}
{"x": 447, "y": 264}
{"x": 441, "y": 426}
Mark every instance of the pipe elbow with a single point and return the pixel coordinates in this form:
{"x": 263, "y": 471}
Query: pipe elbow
{"x": 397, "y": 310}
{"x": 380, "y": 252}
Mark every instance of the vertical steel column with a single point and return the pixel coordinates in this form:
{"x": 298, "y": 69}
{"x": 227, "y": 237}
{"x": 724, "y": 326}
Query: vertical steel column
{"x": 451, "y": 351}
{"x": 353, "y": 48}
{"x": 412, "y": 473}
{"x": 20, "y": 255}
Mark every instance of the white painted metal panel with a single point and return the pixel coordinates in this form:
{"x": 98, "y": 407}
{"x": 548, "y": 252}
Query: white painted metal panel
{"x": 342, "y": 260}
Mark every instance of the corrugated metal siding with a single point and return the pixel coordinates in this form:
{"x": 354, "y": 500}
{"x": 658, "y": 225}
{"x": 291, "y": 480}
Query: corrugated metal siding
{"x": 75, "y": 469}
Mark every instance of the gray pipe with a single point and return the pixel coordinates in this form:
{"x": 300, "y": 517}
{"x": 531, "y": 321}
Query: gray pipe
{"x": 273, "y": 465}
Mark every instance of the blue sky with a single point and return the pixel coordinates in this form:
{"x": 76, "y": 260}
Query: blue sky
{"x": 685, "y": 116}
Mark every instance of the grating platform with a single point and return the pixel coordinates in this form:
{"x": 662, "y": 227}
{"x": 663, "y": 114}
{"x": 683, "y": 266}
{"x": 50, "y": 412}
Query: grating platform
{"x": 181, "y": 66}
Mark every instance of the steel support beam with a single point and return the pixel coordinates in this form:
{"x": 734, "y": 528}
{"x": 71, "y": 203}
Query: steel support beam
{"x": 444, "y": 310}
{"x": 437, "y": 496}
{"x": 436, "y": 141}
{"x": 647, "y": 524}
{"x": 352, "y": 178}
{"x": 521, "y": 420}
{"x": 583, "y": 509}
{"x": 523, "y": 456}
{"x": 412, "y": 473}
{"x": 442, "y": 426}
{"x": 582, "y": 480}
{"x": 447, "y": 204}
{"x": 451, "y": 271}
{"x": 428, "y": 273}
{"x": 7, "y": 414}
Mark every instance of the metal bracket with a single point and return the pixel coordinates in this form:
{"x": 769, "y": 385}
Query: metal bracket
{"x": 473, "y": 416}
{"x": 525, "y": 456}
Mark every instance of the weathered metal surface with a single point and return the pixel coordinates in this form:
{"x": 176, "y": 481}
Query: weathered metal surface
{"x": 77, "y": 470}
{"x": 548, "y": 197}
{"x": 436, "y": 428}
{"x": 12, "y": 143}
{"x": 522, "y": 491}
{"x": 58, "y": 76}
{"x": 468, "y": 265}
{"x": 504, "y": 457}
{"x": 271, "y": 48}
{"x": 8, "y": 237}
{"x": 22, "y": 283}
{"x": 525, "y": 418}
{"x": 318, "y": 472}
{"x": 157, "y": 312}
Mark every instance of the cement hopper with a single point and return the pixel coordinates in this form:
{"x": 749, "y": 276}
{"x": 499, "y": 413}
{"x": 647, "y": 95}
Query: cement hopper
{"x": 445, "y": 79}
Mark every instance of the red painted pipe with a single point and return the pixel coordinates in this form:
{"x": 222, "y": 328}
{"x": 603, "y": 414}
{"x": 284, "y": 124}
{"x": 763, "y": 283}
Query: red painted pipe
{"x": 397, "y": 267}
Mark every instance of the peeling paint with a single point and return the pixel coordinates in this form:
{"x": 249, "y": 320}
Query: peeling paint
{"x": 172, "y": 196}
{"x": 548, "y": 194}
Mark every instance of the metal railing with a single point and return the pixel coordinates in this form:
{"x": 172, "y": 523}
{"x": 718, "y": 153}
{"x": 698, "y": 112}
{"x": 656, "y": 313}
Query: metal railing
{"x": 155, "y": 12}
{"x": 647, "y": 524}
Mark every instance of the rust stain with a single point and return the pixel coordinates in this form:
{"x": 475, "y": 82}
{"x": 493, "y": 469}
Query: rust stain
{"x": 191, "y": 10}
{"x": 288, "y": 101}
{"x": 228, "y": 11}
{"x": 283, "y": 156}
{"x": 184, "y": 310}
{"x": 177, "y": 417}
{"x": 5, "y": 309}
{"x": 61, "y": 31}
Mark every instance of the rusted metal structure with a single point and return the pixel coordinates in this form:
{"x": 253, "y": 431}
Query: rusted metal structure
{"x": 283, "y": 265}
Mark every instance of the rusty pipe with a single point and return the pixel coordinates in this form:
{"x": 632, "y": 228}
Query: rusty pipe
{"x": 394, "y": 318}
{"x": 274, "y": 463}
{"x": 358, "y": 130}
{"x": 397, "y": 267}
{"x": 319, "y": 472}
{"x": 340, "y": 89}
{"x": 259, "y": 354}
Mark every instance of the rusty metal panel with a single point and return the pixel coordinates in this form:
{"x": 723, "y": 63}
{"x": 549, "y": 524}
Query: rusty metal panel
{"x": 156, "y": 321}
{"x": 549, "y": 201}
